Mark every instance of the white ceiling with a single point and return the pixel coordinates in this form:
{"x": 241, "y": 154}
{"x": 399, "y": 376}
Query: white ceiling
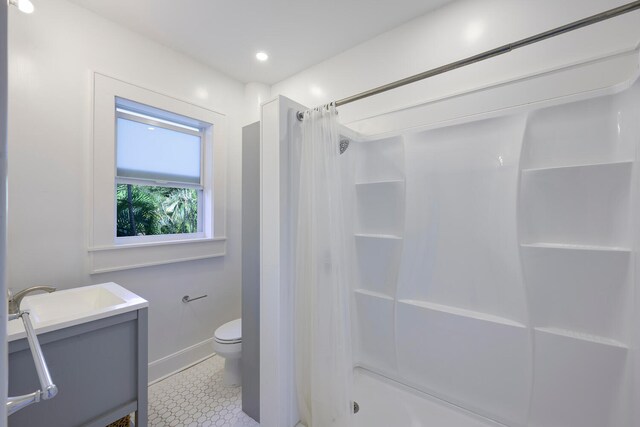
{"x": 226, "y": 34}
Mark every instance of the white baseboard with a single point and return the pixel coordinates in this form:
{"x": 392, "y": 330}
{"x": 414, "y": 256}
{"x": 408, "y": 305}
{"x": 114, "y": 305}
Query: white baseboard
{"x": 179, "y": 361}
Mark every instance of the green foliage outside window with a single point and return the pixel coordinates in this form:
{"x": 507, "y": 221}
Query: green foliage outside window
{"x": 144, "y": 210}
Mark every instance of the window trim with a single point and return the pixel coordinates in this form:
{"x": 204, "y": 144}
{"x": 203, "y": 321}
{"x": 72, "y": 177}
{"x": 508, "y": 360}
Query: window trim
{"x": 105, "y": 252}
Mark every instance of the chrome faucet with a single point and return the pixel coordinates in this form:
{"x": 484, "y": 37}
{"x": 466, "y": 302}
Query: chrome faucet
{"x": 48, "y": 390}
{"x": 16, "y": 299}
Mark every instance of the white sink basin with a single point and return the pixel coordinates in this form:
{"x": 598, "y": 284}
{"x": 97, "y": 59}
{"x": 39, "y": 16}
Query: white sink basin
{"x": 69, "y": 307}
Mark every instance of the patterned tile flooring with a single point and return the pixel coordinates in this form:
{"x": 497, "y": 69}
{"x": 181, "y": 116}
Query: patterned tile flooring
{"x": 197, "y": 397}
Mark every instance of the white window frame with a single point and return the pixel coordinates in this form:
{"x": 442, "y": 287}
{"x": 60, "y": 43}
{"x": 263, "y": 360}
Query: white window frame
{"x": 110, "y": 253}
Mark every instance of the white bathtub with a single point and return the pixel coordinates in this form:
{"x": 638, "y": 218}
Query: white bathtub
{"x": 384, "y": 402}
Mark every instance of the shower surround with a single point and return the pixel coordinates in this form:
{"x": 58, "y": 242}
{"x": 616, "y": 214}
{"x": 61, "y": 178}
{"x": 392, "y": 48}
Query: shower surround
{"x": 495, "y": 262}
{"x": 494, "y": 258}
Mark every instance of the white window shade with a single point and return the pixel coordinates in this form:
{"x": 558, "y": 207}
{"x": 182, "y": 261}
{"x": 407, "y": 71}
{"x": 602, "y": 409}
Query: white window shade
{"x": 157, "y": 153}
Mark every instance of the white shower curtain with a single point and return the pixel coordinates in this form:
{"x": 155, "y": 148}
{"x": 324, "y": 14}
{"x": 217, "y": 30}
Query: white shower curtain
{"x": 322, "y": 272}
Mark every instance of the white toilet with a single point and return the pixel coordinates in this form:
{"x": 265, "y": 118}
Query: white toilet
{"x": 227, "y": 343}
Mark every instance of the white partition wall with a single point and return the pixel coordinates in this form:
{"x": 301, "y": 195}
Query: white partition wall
{"x": 277, "y": 133}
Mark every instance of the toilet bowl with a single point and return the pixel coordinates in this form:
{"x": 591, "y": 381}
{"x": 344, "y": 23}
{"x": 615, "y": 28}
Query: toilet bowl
{"x": 227, "y": 343}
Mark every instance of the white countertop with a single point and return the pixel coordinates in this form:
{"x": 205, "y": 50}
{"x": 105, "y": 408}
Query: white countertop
{"x": 70, "y": 307}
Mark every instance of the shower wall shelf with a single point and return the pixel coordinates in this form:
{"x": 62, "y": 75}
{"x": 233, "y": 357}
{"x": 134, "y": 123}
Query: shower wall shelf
{"x": 624, "y": 163}
{"x": 374, "y": 294}
{"x": 595, "y": 339}
{"x": 381, "y": 182}
{"x": 457, "y": 311}
{"x": 378, "y": 236}
{"x": 570, "y": 247}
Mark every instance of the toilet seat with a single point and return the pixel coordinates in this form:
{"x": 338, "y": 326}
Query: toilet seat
{"x": 229, "y": 333}
{"x": 228, "y": 342}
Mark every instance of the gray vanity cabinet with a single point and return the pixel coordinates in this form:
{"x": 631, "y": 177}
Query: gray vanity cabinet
{"x": 100, "y": 368}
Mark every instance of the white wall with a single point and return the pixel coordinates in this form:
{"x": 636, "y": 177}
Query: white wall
{"x": 453, "y": 32}
{"x": 53, "y": 54}
{"x": 255, "y": 94}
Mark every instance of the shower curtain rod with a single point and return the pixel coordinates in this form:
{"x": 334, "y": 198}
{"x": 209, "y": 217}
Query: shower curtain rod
{"x": 612, "y": 13}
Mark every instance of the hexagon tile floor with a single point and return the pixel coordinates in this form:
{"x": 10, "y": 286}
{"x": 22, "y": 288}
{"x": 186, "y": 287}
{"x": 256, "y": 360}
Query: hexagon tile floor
{"x": 197, "y": 397}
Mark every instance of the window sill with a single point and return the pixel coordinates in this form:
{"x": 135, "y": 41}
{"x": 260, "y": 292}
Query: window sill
{"x": 117, "y": 257}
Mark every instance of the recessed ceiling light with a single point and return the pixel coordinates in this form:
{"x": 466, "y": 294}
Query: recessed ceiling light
{"x": 25, "y": 6}
{"x": 262, "y": 56}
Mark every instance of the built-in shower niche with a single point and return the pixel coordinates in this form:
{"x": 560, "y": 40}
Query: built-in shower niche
{"x": 584, "y": 290}
{"x": 576, "y": 249}
{"x": 578, "y": 381}
{"x": 598, "y": 130}
{"x": 584, "y": 205}
{"x": 380, "y": 160}
{"x": 379, "y": 180}
{"x": 378, "y": 259}
{"x": 375, "y": 347}
{"x": 379, "y": 213}
{"x": 378, "y": 233}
